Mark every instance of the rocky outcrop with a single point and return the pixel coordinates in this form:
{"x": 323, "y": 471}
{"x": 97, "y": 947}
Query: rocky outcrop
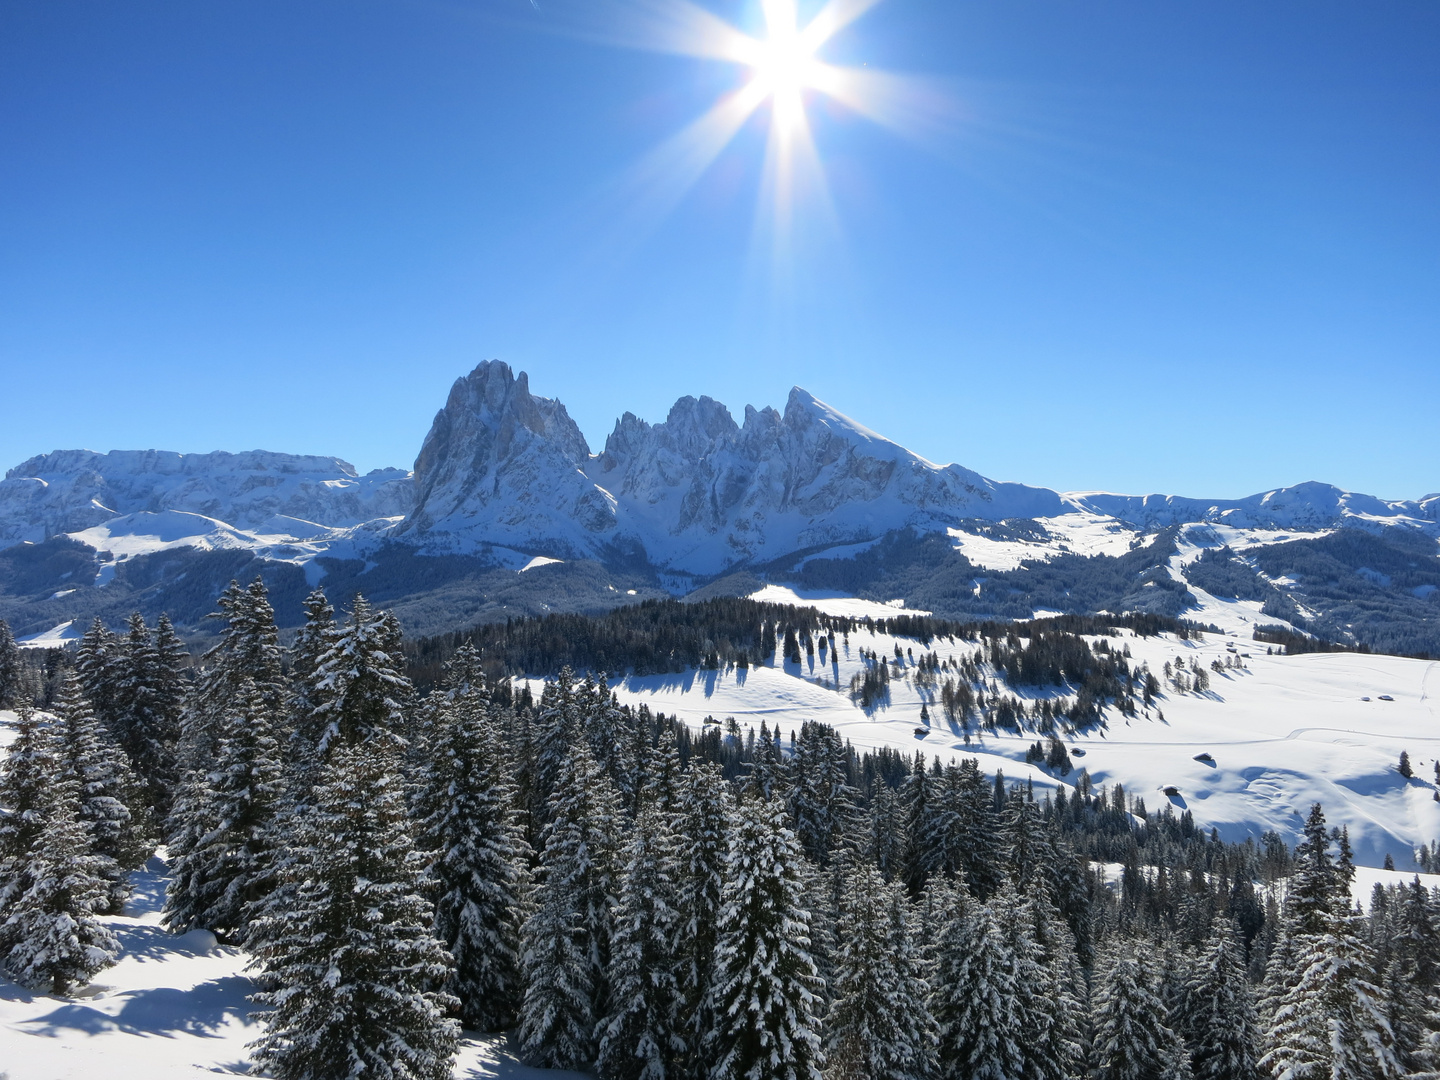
{"x": 501, "y": 465}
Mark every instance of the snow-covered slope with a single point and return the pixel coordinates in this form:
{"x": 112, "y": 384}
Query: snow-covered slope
{"x": 259, "y": 492}
{"x": 1284, "y": 732}
{"x": 1309, "y": 506}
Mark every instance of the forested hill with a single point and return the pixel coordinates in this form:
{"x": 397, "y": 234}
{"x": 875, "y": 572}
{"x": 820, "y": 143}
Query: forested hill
{"x": 660, "y": 636}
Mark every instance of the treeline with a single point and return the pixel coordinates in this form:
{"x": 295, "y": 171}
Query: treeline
{"x": 661, "y": 636}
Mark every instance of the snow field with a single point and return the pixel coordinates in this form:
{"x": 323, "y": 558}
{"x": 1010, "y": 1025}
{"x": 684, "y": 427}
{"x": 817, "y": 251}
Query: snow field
{"x": 1284, "y": 732}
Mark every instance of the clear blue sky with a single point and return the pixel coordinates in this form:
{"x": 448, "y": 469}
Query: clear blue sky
{"x": 1186, "y": 247}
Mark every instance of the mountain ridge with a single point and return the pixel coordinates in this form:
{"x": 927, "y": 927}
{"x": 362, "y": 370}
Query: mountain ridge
{"x": 505, "y": 481}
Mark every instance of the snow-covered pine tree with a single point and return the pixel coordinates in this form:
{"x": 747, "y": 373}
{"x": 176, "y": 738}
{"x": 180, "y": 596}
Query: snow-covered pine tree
{"x": 973, "y": 999}
{"x": 144, "y": 722}
{"x": 886, "y": 843}
{"x": 765, "y": 984}
{"x": 879, "y": 1022}
{"x": 97, "y": 663}
{"x": 642, "y": 1037}
{"x": 362, "y": 678}
{"x": 1133, "y": 1036}
{"x": 768, "y": 775}
{"x": 557, "y": 727}
{"x": 1216, "y": 1015}
{"x": 312, "y": 641}
{"x": 821, "y": 802}
{"x": 1331, "y": 1022}
{"x": 227, "y": 866}
{"x": 706, "y": 807}
{"x": 50, "y": 939}
{"x": 349, "y": 962}
{"x": 567, "y": 939}
{"x": 467, "y": 824}
{"x": 12, "y": 667}
{"x": 248, "y": 650}
{"x": 100, "y": 770}
{"x": 31, "y": 765}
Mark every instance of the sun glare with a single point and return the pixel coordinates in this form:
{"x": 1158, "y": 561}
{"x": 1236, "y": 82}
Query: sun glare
{"x": 780, "y": 66}
{"x": 785, "y": 65}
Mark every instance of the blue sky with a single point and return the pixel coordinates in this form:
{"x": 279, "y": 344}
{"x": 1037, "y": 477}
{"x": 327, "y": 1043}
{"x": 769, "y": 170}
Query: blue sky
{"x": 1129, "y": 245}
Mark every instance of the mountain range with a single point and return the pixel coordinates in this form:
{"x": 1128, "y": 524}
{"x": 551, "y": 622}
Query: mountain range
{"x": 508, "y": 511}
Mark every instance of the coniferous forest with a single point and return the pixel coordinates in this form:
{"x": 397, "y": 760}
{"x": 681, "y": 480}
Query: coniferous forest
{"x": 638, "y": 899}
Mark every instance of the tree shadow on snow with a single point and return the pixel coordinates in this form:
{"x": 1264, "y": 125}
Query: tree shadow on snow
{"x": 506, "y": 1065}
{"x": 147, "y": 942}
{"x": 165, "y": 1011}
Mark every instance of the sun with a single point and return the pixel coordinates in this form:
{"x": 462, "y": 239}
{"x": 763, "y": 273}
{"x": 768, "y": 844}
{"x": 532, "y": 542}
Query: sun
{"x": 780, "y": 66}
{"x": 784, "y": 64}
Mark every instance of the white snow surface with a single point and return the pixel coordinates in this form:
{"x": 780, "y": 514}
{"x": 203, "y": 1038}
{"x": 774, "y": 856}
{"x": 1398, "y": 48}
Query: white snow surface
{"x": 833, "y": 603}
{"x": 1284, "y": 732}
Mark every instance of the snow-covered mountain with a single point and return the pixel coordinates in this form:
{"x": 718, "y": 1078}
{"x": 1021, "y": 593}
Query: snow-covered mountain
{"x": 259, "y": 492}
{"x": 700, "y": 493}
{"x": 505, "y": 481}
{"x": 697, "y": 493}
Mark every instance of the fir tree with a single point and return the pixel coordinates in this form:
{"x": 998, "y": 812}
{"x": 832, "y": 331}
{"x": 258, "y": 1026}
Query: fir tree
{"x": 97, "y": 663}
{"x": 30, "y": 767}
{"x": 1216, "y": 1014}
{"x": 1331, "y": 1022}
{"x": 706, "y": 807}
{"x": 144, "y": 720}
{"x": 50, "y": 939}
{"x": 567, "y": 939}
{"x": 101, "y": 773}
{"x": 230, "y": 813}
{"x": 361, "y": 678}
{"x": 765, "y": 980}
{"x": 879, "y": 1023}
{"x": 312, "y": 642}
{"x": 12, "y": 668}
{"x": 1133, "y": 1036}
{"x": 468, "y": 825}
{"x": 642, "y": 1037}
{"x": 974, "y": 997}
{"x": 349, "y": 962}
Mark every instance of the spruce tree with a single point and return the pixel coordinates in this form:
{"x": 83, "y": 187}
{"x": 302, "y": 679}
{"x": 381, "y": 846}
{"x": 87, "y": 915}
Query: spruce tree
{"x": 100, "y": 770}
{"x": 144, "y": 721}
{"x": 1133, "y": 1036}
{"x": 349, "y": 963}
{"x": 31, "y": 765}
{"x": 467, "y": 824}
{"x": 97, "y": 663}
{"x": 642, "y": 1036}
{"x": 765, "y": 983}
{"x": 1331, "y": 1021}
{"x": 50, "y": 938}
{"x": 706, "y": 808}
{"x": 12, "y": 668}
{"x": 973, "y": 1001}
{"x": 227, "y": 864}
{"x": 567, "y": 939}
{"x": 879, "y": 1023}
{"x": 1216, "y": 1014}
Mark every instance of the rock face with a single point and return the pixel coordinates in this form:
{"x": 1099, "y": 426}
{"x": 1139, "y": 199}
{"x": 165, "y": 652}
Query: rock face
{"x": 503, "y": 466}
{"x": 701, "y": 492}
{"x": 73, "y": 490}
